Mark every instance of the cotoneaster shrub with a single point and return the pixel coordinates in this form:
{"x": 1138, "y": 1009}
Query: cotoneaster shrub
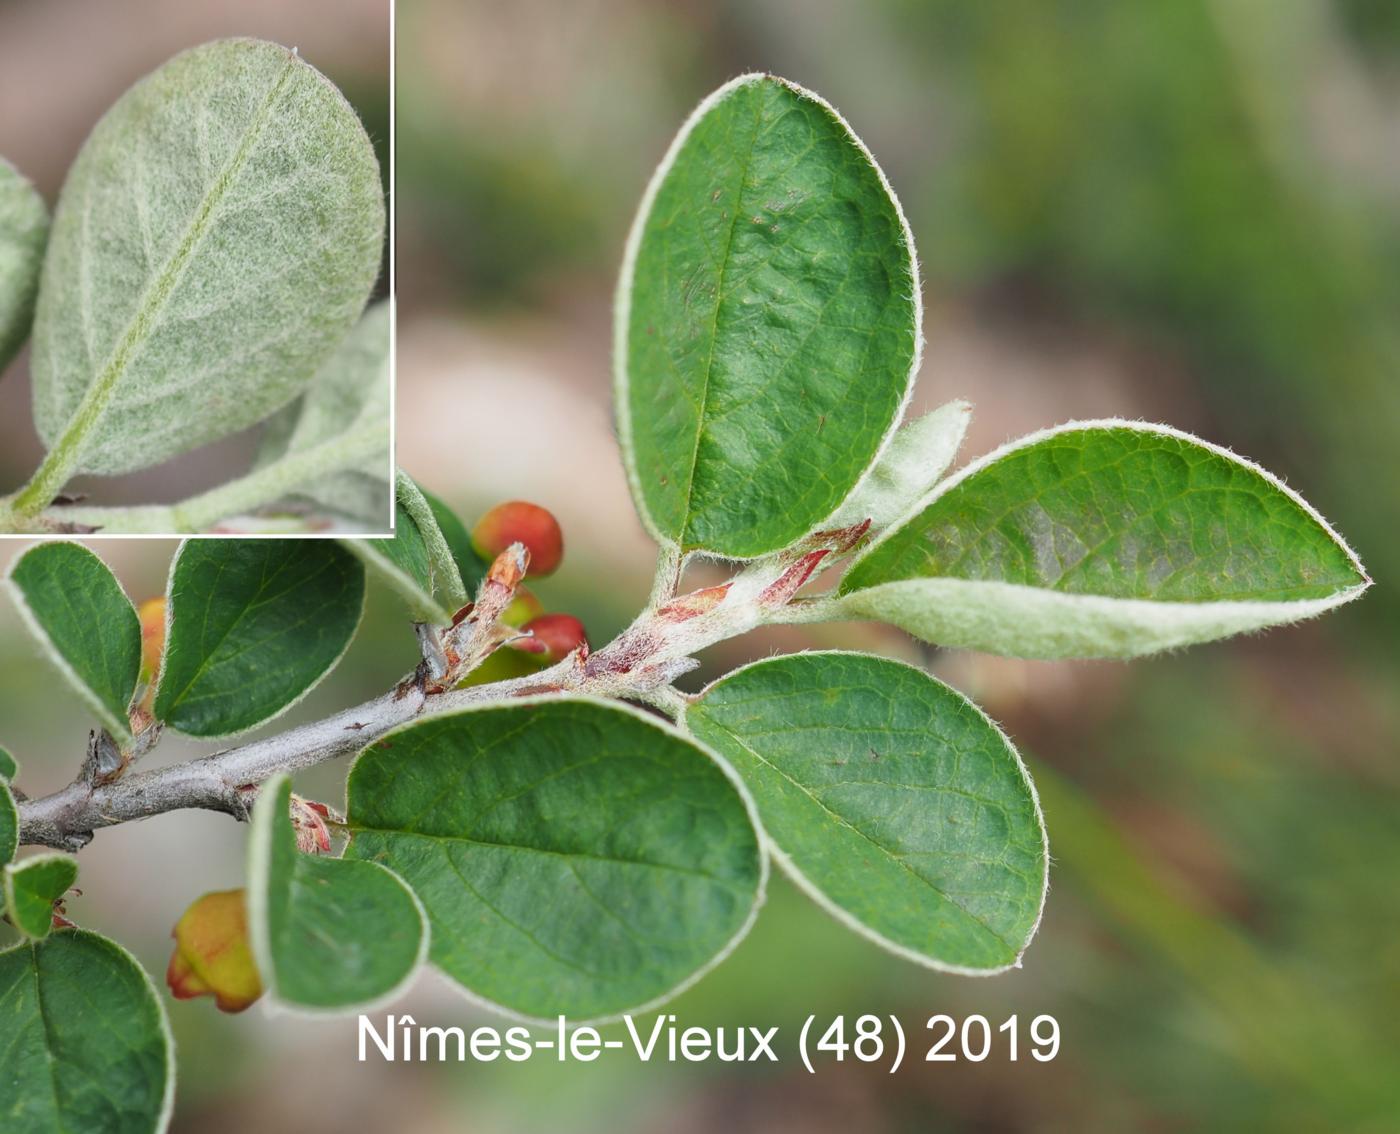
{"x": 207, "y": 269}
{"x": 559, "y": 829}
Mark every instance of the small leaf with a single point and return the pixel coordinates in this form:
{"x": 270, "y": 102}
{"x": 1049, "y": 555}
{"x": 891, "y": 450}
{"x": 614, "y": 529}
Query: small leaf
{"x": 348, "y": 395}
{"x": 574, "y": 856}
{"x": 767, "y": 327}
{"x": 891, "y": 798}
{"x": 24, "y": 227}
{"x": 9, "y": 824}
{"x": 418, "y": 562}
{"x": 217, "y": 235}
{"x": 917, "y": 456}
{"x": 8, "y": 768}
{"x": 1103, "y": 539}
{"x": 87, "y": 1046}
{"x": 31, "y": 888}
{"x": 255, "y": 624}
{"x": 328, "y": 933}
{"x": 79, "y": 612}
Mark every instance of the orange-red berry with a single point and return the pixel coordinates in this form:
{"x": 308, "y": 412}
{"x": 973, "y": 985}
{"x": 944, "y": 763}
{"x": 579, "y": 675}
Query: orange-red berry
{"x": 212, "y": 955}
{"x": 518, "y": 521}
{"x": 152, "y": 616}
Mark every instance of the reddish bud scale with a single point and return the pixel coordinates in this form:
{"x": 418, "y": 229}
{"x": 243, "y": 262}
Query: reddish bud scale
{"x": 781, "y": 590}
{"x": 694, "y": 604}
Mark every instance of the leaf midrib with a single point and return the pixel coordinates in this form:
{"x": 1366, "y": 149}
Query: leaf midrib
{"x": 99, "y": 394}
{"x": 884, "y": 851}
{"x": 714, "y": 323}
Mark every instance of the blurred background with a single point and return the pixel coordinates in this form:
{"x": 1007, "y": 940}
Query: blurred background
{"x": 64, "y": 62}
{"x": 1180, "y": 210}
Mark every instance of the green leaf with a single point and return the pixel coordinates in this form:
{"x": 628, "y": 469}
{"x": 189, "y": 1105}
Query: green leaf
{"x": 24, "y": 227}
{"x": 217, "y": 235}
{"x": 32, "y": 887}
{"x": 891, "y": 798}
{"x": 470, "y": 565}
{"x": 905, "y": 475}
{"x": 8, "y": 768}
{"x": 9, "y": 824}
{"x": 349, "y": 396}
{"x": 86, "y": 1046}
{"x": 768, "y": 321}
{"x": 327, "y": 933}
{"x": 254, "y": 625}
{"x": 80, "y": 614}
{"x": 574, "y": 856}
{"x": 1103, "y": 539}
{"x": 418, "y": 562}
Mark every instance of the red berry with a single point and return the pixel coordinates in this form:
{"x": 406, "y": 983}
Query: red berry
{"x": 518, "y": 521}
{"x": 559, "y": 634}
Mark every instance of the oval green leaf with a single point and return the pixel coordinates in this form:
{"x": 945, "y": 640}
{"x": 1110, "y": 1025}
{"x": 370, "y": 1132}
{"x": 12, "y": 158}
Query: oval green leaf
{"x": 8, "y": 768}
{"x": 575, "y": 857}
{"x": 24, "y": 228}
{"x": 768, "y": 322}
{"x": 86, "y": 624}
{"x": 31, "y": 888}
{"x": 217, "y": 235}
{"x": 87, "y": 1046}
{"x": 1103, "y": 539}
{"x": 418, "y": 562}
{"x": 9, "y": 824}
{"x": 253, "y": 625}
{"x": 470, "y": 565}
{"x": 345, "y": 408}
{"x": 891, "y": 798}
{"x": 328, "y": 934}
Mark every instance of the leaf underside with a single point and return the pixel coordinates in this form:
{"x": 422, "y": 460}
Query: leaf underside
{"x": 24, "y": 227}
{"x": 349, "y": 393}
{"x": 254, "y": 624}
{"x": 1103, "y": 541}
{"x": 406, "y": 561}
{"x": 81, "y": 614}
{"x": 329, "y": 933}
{"x": 768, "y": 324}
{"x": 892, "y": 797}
{"x": 573, "y": 856}
{"x": 217, "y": 235}
{"x": 86, "y": 1045}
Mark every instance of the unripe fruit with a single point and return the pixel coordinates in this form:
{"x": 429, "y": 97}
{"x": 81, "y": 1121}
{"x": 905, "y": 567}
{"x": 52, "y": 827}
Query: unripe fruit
{"x": 518, "y": 521}
{"x": 522, "y": 608}
{"x": 152, "y": 616}
{"x": 212, "y": 956}
{"x": 502, "y": 665}
{"x": 559, "y": 634}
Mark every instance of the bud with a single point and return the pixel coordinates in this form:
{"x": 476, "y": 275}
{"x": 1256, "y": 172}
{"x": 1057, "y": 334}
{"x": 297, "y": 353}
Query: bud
{"x": 309, "y": 825}
{"x": 553, "y": 636}
{"x": 518, "y": 521}
{"x": 152, "y": 616}
{"x": 212, "y": 956}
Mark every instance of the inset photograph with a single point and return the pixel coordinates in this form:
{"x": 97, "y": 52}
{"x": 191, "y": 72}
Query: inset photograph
{"x": 195, "y": 306}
